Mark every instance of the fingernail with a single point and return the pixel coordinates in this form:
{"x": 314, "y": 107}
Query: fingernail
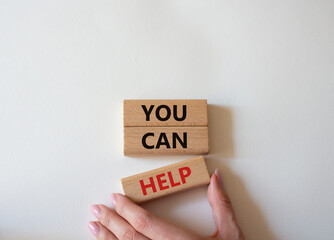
{"x": 219, "y": 176}
{"x": 96, "y": 210}
{"x": 113, "y": 199}
{"x": 94, "y": 228}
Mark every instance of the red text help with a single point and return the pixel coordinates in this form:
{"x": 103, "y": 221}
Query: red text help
{"x": 161, "y": 179}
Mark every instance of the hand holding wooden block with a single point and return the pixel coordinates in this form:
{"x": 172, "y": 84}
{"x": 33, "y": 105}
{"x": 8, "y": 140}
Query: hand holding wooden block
{"x": 166, "y": 180}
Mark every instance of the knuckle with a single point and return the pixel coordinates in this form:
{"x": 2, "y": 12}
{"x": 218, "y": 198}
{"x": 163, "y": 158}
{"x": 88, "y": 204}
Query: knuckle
{"x": 120, "y": 209}
{"x": 142, "y": 222}
{"x": 103, "y": 235}
{"x": 129, "y": 235}
{"x": 107, "y": 220}
{"x": 225, "y": 202}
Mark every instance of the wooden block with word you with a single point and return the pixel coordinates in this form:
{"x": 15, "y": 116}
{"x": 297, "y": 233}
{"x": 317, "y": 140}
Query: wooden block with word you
{"x": 165, "y": 127}
{"x": 166, "y": 180}
{"x": 165, "y": 113}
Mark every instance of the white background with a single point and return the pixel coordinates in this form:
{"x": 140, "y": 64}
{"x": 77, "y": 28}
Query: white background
{"x": 265, "y": 67}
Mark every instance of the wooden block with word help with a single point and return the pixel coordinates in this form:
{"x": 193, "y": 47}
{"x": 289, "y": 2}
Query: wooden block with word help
{"x": 169, "y": 113}
{"x": 166, "y": 180}
{"x": 166, "y": 140}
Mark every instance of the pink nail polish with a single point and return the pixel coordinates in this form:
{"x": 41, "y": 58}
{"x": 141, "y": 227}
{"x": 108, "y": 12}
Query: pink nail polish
{"x": 113, "y": 199}
{"x": 94, "y": 228}
{"x": 96, "y": 210}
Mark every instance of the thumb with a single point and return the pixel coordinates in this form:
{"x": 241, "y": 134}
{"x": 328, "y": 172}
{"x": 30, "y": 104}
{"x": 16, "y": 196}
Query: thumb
{"x": 222, "y": 210}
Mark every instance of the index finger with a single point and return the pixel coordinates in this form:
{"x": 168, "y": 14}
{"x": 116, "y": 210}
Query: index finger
{"x": 144, "y": 222}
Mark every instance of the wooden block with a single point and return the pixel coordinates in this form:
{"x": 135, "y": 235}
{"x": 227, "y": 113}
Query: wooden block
{"x": 166, "y": 180}
{"x": 169, "y": 113}
{"x": 166, "y": 140}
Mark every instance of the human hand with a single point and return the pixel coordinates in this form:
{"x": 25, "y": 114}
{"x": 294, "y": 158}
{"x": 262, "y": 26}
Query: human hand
{"x": 129, "y": 221}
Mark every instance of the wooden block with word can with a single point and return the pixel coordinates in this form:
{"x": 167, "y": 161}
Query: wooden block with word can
{"x": 166, "y": 140}
{"x": 166, "y": 180}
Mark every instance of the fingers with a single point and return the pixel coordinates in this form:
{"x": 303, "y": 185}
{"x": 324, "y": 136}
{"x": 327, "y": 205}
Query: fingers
{"x": 146, "y": 223}
{"x": 133, "y": 222}
{"x": 100, "y": 232}
{"x": 222, "y": 210}
{"x": 115, "y": 224}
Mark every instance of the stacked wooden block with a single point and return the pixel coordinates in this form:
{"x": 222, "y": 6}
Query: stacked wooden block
{"x": 166, "y": 127}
